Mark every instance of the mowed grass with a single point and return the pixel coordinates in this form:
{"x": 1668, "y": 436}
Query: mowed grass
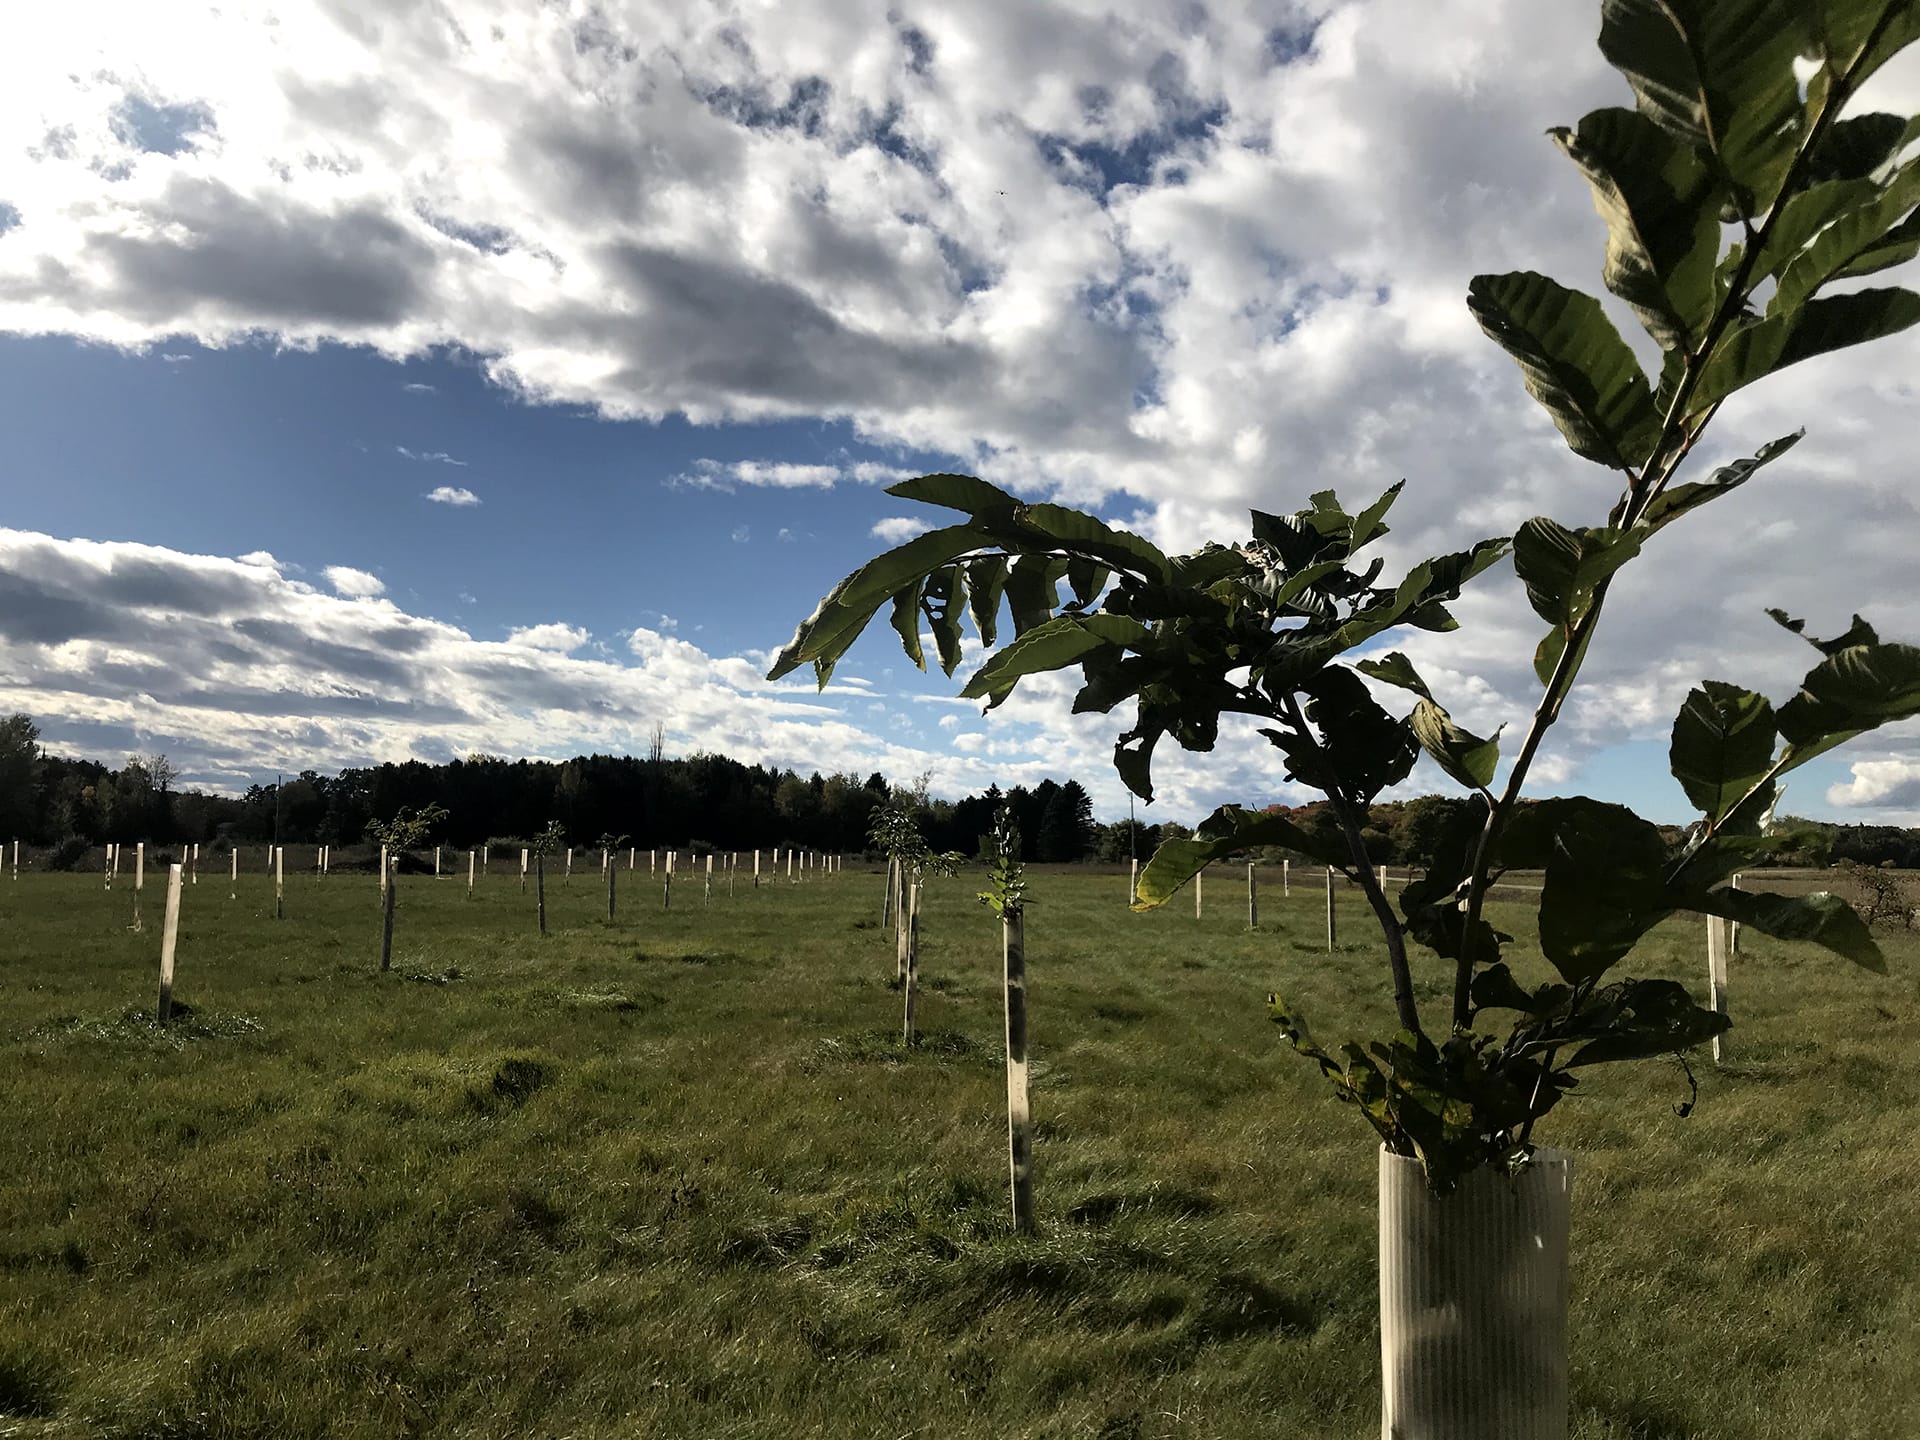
{"x": 677, "y": 1177}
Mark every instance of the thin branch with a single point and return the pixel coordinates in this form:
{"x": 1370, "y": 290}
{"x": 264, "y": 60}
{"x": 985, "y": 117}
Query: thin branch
{"x": 1403, "y": 1001}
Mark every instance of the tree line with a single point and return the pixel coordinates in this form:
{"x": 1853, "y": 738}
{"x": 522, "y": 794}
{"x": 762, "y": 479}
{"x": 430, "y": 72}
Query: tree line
{"x": 694, "y": 802}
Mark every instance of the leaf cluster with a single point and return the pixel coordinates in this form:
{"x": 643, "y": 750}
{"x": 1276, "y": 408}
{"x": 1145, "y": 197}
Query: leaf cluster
{"x": 409, "y": 828}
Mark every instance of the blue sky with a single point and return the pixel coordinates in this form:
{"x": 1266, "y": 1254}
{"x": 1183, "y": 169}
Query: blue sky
{"x": 659, "y": 299}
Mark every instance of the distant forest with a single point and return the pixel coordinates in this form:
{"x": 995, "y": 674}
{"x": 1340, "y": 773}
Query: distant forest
{"x": 696, "y": 802}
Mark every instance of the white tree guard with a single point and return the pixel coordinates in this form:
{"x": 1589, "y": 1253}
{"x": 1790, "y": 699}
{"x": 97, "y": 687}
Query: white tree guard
{"x": 1473, "y": 1303}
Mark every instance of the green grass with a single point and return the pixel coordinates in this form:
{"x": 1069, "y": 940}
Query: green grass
{"x": 677, "y": 1177}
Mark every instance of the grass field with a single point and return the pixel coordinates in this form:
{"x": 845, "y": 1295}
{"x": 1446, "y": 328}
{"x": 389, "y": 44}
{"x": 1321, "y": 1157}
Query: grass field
{"x": 677, "y": 1177}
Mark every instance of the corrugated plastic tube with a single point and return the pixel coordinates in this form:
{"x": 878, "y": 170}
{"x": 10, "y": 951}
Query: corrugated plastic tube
{"x": 1473, "y": 1302}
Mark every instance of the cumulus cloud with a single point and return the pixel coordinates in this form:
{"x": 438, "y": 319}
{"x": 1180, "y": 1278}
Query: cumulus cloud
{"x": 351, "y": 582}
{"x": 1211, "y": 257}
{"x": 1880, "y": 785}
{"x": 560, "y": 639}
{"x": 417, "y": 387}
{"x": 740, "y": 534}
{"x": 452, "y": 495}
{"x": 897, "y": 529}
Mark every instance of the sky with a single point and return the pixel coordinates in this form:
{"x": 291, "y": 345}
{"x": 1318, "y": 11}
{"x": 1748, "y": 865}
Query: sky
{"x": 399, "y": 380}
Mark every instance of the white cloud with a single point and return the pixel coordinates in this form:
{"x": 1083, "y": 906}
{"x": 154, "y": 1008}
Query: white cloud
{"x": 898, "y": 529}
{"x": 417, "y": 387}
{"x": 430, "y": 457}
{"x": 1881, "y": 785}
{"x": 452, "y": 495}
{"x": 786, "y": 536}
{"x": 1192, "y": 254}
{"x": 356, "y": 583}
{"x": 560, "y": 639}
{"x": 740, "y": 534}
{"x": 176, "y": 359}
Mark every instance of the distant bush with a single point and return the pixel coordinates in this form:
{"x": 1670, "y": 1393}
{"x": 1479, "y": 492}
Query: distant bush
{"x": 69, "y": 853}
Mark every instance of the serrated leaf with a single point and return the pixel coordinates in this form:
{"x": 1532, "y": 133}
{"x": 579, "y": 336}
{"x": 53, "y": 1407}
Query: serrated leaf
{"x": 1120, "y": 549}
{"x": 986, "y": 582}
{"x": 956, "y": 492}
{"x": 1662, "y": 214}
{"x": 1054, "y": 645}
{"x": 1722, "y": 745}
{"x": 945, "y": 601}
{"x": 1573, "y": 362}
{"x": 1463, "y": 755}
{"x": 1033, "y": 590}
{"x": 906, "y": 624}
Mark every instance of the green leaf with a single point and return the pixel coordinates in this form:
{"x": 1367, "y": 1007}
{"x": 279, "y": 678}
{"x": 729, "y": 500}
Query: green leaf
{"x": 1561, "y": 568}
{"x": 1367, "y": 525}
{"x": 945, "y": 601}
{"x": 1652, "y": 1017}
{"x": 1858, "y": 633}
{"x": 1605, "y": 887}
{"x": 1054, "y": 645}
{"x": 1722, "y": 746}
{"x": 1120, "y": 549}
{"x": 1805, "y": 215}
{"x": 1228, "y": 830}
{"x": 1856, "y": 38}
{"x": 1546, "y": 655}
{"x": 1033, "y": 591}
{"x": 1848, "y": 693}
{"x": 1395, "y": 669}
{"x": 1362, "y": 748}
{"x": 1849, "y": 240}
{"x": 986, "y": 582}
{"x": 906, "y": 623}
{"x": 1718, "y": 75}
{"x": 957, "y": 492}
{"x": 1662, "y": 214}
{"x": 1676, "y": 500}
{"x": 1464, "y": 756}
{"x": 1440, "y": 578}
{"x": 1854, "y": 148}
{"x": 1818, "y": 919}
{"x": 1832, "y": 322}
{"x": 824, "y": 636}
{"x": 1573, "y": 362}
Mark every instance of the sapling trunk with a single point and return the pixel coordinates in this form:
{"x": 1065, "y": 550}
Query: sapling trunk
{"x": 540, "y": 890}
{"x": 1330, "y": 936}
{"x": 1253, "y": 900}
{"x": 1013, "y": 943}
{"x": 1198, "y": 881}
{"x": 612, "y": 870}
{"x": 280, "y": 882}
